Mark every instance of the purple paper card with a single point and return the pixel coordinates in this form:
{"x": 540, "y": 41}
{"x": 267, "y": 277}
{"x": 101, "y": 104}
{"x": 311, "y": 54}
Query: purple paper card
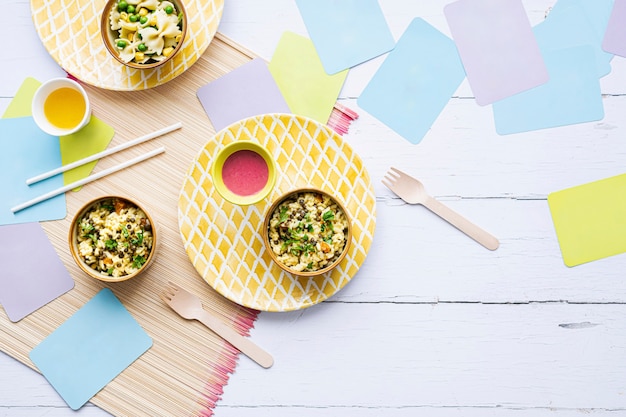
{"x": 32, "y": 272}
{"x": 246, "y": 91}
{"x": 615, "y": 36}
{"x": 497, "y": 47}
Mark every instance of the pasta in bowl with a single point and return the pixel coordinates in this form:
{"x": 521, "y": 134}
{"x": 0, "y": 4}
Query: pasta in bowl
{"x": 113, "y": 239}
{"x": 307, "y": 232}
{"x": 143, "y": 34}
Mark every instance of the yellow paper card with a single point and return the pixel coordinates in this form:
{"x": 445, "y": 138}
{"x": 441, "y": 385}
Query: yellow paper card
{"x": 305, "y": 85}
{"x": 590, "y": 220}
{"x": 93, "y": 138}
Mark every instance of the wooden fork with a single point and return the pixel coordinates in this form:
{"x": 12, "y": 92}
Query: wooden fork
{"x": 189, "y": 307}
{"x": 412, "y": 191}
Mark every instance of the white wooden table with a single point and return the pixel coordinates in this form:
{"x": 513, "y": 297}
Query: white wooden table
{"x": 433, "y": 324}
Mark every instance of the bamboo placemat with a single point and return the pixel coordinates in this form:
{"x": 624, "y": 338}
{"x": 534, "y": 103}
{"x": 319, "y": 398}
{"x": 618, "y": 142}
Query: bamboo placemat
{"x": 185, "y": 370}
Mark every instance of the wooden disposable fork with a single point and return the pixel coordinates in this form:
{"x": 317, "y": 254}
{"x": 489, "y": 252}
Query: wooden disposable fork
{"x": 412, "y": 191}
{"x": 189, "y": 307}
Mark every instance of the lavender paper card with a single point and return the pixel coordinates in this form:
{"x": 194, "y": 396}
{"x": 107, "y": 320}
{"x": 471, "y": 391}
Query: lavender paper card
{"x": 415, "y": 82}
{"x": 347, "y": 32}
{"x": 32, "y": 272}
{"x": 497, "y": 47}
{"x": 246, "y": 91}
{"x": 614, "y": 40}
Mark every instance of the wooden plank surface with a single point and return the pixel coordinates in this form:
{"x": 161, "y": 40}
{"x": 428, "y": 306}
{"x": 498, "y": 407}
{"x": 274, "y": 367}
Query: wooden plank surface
{"x": 433, "y": 324}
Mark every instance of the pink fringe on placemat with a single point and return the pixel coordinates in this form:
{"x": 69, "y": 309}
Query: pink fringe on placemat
{"x": 221, "y": 372}
{"x": 340, "y": 118}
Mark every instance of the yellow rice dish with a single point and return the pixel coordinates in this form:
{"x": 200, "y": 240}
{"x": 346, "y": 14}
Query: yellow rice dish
{"x": 114, "y": 237}
{"x": 308, "y": 231}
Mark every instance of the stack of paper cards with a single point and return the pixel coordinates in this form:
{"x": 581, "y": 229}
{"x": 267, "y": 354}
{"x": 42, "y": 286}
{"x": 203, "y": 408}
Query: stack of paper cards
{"x": 346, "y": 33}
{"x": 247, "y": 91}
{"x": 589, "y": 220}
{"x": 90, "y": 349}
{"x": 415, "y": 82}
{"x": 570, "y": 26}
{"x": 308, "y": 90}
{"x": 32, "y": 272}
{"x": 571, "y": 96}
{"x": 497, "y": 46}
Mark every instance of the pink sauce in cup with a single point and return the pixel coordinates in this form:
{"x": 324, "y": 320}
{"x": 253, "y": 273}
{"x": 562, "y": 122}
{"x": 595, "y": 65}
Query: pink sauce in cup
{"x": 245, "y": 172}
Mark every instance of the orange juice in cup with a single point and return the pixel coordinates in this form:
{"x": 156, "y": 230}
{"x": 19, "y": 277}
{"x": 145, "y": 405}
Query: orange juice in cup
{"x": 61, "y": 107}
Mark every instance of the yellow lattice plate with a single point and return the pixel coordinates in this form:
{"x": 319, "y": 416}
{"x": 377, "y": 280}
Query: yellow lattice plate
{"x": 224, "y": 241}
{"x": 70, "y": 31}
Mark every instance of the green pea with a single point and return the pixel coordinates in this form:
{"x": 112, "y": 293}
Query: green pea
{"x": 143, "y": 20}
{"x": 169, "y": 9}
{"x": 130, "y": 9}
{"x": 132, "y": 18}
{"x": 121, "y": 44}
{"x": 122, "y": 5}
{"x": 142, "y": 47}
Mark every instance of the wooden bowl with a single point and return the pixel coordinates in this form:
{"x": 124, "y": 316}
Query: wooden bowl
{"x": 307, "y": 233}
{"x": 112, "y": 257}
{"x": 113, "y": 37}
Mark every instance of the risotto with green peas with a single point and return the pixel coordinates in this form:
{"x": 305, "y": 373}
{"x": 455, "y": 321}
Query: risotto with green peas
{"x": 114, "y": 237}
{"x": 308, "y": 231}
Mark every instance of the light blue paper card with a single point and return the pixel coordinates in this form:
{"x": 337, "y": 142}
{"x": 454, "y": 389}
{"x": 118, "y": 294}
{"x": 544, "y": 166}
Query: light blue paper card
{"x": 568, "y": 25}
{"x": 415, "y": 82}
{"x": 571, "y": 96}
{"x": 346, "y": 33}
{"x": 25, "y": 152}
{"x": 598, "y": 12}
{"x": 90, "y": 349}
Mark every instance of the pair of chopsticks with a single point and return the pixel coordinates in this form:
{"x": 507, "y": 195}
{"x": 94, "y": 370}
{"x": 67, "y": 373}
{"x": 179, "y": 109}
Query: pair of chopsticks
{"x": 100, "y": 174}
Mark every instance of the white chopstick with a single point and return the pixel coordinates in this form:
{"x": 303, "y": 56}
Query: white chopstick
{"x": 88, "y": 179}
{"x": 104, "y": 153}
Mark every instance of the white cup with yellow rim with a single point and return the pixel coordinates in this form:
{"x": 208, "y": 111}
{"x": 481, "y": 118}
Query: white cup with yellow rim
{"x": 61, "y": 107}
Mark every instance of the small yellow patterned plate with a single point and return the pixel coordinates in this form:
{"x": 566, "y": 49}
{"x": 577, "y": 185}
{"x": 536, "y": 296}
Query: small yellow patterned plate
{"x": 224, "y": 241}
{"x": 70, "y": 31}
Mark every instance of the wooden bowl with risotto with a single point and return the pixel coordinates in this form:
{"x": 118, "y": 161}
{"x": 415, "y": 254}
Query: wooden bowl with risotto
{"x": 113, "y": 239}
{"x": 307, "y": 232}
{"x": 143, "y": 34}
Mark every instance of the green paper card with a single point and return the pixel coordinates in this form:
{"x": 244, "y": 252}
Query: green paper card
{"x": 307, "y": 88}
{"x": 590, "y": 220}
{"x": 93, "y": 138}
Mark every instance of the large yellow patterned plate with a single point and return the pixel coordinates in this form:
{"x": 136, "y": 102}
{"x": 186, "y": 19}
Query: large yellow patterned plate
{"x": 223, "y": 240}
{"x": 70, "y": 31}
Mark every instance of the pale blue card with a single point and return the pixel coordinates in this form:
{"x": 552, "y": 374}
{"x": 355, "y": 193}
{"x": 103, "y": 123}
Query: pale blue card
{"x": 570, "y": 24}
{"x": 347, "y": 32}
{"x": 415, "y": 82}
{"x": 571, "y": 96}
{"x": 90, "y": 349}
{"x": 597, "y": 11}
{"x": 25, "y": 152}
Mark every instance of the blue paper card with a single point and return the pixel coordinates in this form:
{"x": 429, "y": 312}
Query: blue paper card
{"x": 346, "y": 33}
{"x": 90, "y": 349}
{"x": 569, "y": 24}
{"x": 571, "y": 96}
{"x": 598, "y": 12}
{"x": 26, "y": 152}
{"x": 415, "y": 82}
